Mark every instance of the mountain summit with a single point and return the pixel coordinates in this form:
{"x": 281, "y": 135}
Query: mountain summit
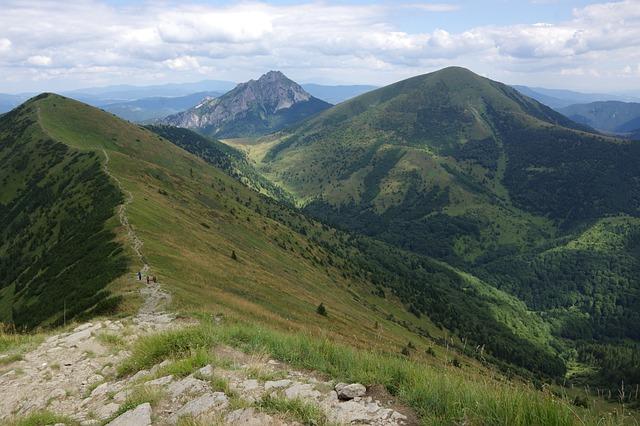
{"x": 253, "y": 108}
{"x": 451, "y": 155}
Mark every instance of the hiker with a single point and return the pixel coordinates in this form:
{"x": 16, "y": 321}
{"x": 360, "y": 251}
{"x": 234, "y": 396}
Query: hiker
{"x": 147, "y": 279}
{"x": 139, "y": 276}
{"x": 155, "y": 280}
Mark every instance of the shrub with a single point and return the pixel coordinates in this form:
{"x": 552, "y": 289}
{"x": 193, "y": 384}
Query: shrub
{"x": 321, "y": 310}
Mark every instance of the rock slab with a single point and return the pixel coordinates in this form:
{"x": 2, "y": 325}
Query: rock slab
{"x": 139, "y": 416}
{"x": 348, "y": 392}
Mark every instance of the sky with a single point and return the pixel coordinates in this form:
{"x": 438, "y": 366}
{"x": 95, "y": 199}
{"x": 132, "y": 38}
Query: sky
{"x": 582, "y": 45}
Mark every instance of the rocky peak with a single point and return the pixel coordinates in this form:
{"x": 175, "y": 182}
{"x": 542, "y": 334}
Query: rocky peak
{"x": 254, "y": 107}
{"x": 273, "y": 90}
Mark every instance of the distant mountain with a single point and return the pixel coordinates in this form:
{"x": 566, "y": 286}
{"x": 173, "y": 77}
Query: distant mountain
{"x": 254, "y": 108}
{"x": 336, "y": 94}
{"x": 122, "y": 100}
{"x": 101, "y": 96}
{"x": 557, "y": 98}
{"x": 9, "y": 102}
{"x": 609, "y": 116}
{"x": 552, "y": 101}
{"x": 149, "y": 109}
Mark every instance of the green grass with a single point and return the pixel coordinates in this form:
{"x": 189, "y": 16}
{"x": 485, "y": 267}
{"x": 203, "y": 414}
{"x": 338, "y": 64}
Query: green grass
{"x": 112, "y": 340}
{"x": 41, "y": 418}
{"x": 196, "y": 359}
{"x": 140, "y": 395}
{"x": 305, "y": 412}
{"x": 14, "y": 345}
{"x": 439, "y": 396}
{"x": 153, "y": 349}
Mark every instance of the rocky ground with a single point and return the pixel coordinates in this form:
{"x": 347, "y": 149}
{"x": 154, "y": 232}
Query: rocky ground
{"x": 74, "y": 374}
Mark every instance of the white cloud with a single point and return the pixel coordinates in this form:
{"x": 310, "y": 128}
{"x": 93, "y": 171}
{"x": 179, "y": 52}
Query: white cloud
{"x": 39, "y": 60}
{"x": 433, "y": 7}
{"x": 242, "y": 24}
{"x": 5, "y": 44}
{"x": 314, "y": 40}
{"x": 183, "y": 63}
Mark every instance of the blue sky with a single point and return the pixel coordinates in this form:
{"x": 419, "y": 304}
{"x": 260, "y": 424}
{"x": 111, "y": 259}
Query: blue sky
{"x": 580, "y": 45}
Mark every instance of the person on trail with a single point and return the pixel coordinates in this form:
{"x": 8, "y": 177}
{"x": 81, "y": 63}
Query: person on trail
{"x": 147, "y": 279}
{"x": 139, "y": 276}
{"x": 155, "y": 280}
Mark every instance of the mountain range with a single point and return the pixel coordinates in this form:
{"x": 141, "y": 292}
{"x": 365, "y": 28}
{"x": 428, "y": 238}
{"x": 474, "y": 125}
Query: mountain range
{"x": 144, "y": 103}
{"x": 336, "y": 94}
{"x": 100, "y": 96}
{"x": 446, "y": 219}
{"x": 150, "y": 109}
{"x": 561, "y": 98}
{"x": 609, "y": 116}
{"x": 254, "y": 108}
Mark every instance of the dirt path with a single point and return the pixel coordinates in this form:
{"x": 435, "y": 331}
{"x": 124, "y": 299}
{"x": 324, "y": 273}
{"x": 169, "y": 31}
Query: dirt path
{"x": 154, "y": 298}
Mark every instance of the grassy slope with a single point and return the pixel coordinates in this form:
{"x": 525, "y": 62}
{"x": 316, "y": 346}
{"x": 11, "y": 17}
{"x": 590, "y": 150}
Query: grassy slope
{"x": 59, "y": 251}
{"x": 191, "y": 217}
{"x": 230, "y": 160}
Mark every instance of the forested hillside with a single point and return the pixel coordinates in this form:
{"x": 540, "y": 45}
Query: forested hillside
{"x": 225, "y": 158}
{"x": 58, "y": 250}
{"x": 469, "y": 171}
